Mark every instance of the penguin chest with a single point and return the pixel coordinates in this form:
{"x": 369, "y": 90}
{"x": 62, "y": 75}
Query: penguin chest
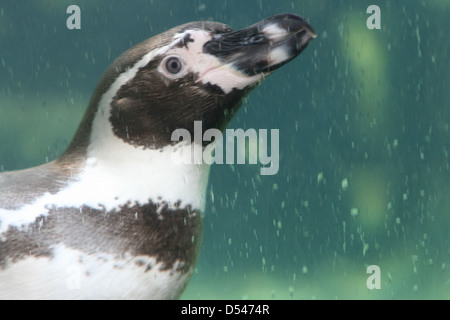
{"x": 141, "y": 251}
{"x": 121, "y": 231}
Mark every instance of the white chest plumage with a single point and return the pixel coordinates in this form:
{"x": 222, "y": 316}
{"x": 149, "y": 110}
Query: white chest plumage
{"x": 72, "y": 274}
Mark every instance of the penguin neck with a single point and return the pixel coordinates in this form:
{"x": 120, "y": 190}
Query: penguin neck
{"x": 135, "y": 170}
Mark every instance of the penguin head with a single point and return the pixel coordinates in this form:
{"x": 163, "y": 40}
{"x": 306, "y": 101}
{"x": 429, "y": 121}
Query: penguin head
{"x": 198, "y": 71}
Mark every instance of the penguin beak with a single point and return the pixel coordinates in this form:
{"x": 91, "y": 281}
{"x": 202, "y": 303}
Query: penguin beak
{"x": 264, "y": 46}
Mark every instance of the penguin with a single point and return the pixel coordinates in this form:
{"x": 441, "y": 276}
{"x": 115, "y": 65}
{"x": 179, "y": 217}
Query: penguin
{"x": 114, "y": 217}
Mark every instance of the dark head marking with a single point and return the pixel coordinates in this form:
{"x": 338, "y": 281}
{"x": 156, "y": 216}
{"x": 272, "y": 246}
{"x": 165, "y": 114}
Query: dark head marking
{"x": 185, "y": 41}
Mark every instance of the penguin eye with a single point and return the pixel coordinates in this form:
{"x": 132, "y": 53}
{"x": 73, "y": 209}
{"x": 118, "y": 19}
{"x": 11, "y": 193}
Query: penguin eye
{"x": 173, "y": 65}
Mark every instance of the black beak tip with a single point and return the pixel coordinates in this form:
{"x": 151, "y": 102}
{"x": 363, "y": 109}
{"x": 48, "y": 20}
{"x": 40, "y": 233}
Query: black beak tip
{"x": 264, "y": 46}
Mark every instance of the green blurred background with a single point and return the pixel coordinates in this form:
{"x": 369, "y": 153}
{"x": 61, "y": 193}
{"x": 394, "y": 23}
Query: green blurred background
{"x": 364, "y": 120}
